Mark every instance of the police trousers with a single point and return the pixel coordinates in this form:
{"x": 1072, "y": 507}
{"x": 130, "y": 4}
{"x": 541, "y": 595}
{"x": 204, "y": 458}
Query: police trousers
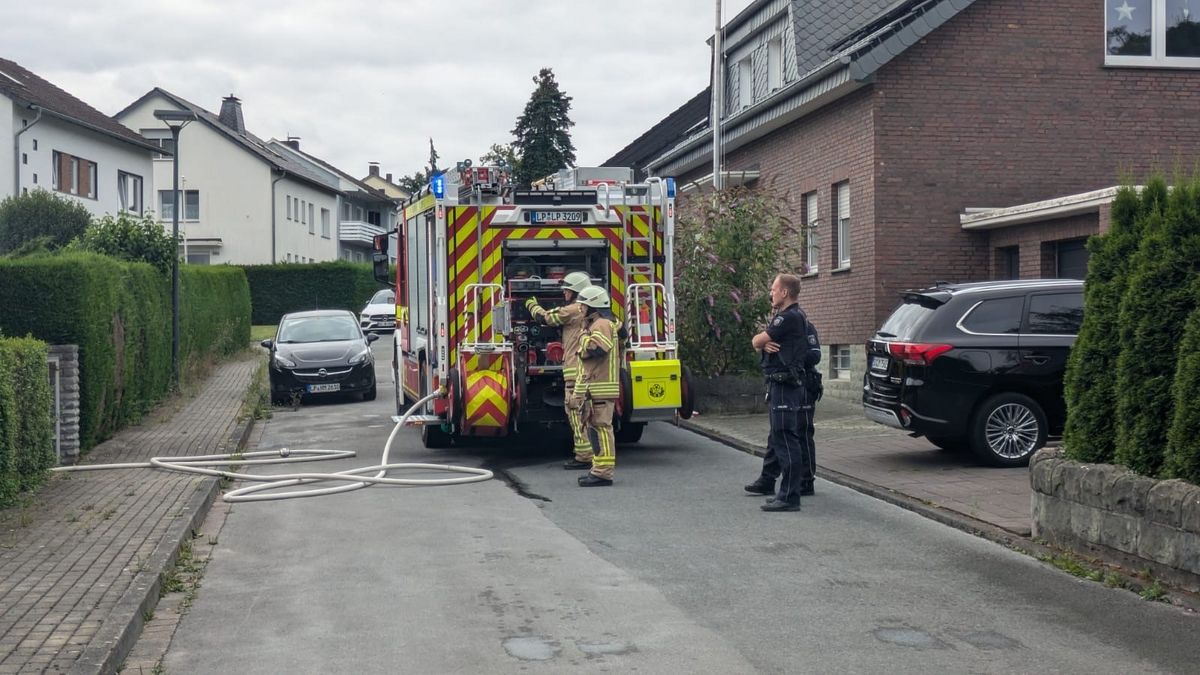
{"x": 791, "y": 452}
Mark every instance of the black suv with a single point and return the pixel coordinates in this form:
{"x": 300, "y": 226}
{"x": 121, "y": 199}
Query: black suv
{"x": 976, "y": 365}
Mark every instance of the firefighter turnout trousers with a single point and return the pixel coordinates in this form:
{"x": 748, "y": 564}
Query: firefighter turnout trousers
{"x": 581, "y": 444}
{"x": 570, "y": 317}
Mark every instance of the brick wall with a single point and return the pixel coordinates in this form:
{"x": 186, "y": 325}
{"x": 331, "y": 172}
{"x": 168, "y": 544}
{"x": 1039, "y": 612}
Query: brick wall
{"x": 813, "y": 154}
{"x": 1009, "y": 103}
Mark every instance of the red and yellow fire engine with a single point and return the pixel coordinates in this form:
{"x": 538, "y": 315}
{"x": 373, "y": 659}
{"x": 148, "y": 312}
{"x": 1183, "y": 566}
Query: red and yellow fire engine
{"x": 472, "y": 249}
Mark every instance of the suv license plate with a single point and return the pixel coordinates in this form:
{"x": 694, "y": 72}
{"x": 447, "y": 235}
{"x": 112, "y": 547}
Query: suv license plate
{"x": 879, "y": 363}
{"x": 319, "y": 388}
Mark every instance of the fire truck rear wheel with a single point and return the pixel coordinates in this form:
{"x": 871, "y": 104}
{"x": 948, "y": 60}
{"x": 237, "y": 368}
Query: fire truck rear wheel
{"x": 630, "y": 432}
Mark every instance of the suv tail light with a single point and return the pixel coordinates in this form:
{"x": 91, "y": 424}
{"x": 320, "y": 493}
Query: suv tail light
{"x": 917, "y": 353}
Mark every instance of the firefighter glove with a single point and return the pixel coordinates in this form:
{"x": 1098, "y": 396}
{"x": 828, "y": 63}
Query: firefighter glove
{"x": 531, "y": 303}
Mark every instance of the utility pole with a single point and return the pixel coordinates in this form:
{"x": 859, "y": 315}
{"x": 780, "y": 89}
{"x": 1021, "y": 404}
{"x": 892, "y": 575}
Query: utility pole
{"x": 718, "y": 100}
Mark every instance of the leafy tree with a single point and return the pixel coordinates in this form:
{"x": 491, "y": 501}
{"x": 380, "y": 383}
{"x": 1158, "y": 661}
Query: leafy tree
{"x": 131, "y": 237}
{"x": 500, "y": 155}
{"x": 728, "y": 247}
{"x": 1153, "y": 312}
{"x": 40, "y": 218}
{"x": 543, "y": 139}
{"x": 414, "y": 183}
{"x": 1090, "y": 387}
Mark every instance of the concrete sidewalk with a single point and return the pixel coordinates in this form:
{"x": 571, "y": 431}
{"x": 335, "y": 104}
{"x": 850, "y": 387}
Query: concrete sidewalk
{"x": 80, "y": 564}
{"x": 889, "y": 464}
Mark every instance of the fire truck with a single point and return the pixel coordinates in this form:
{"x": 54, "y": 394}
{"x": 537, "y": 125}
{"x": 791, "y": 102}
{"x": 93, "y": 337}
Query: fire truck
{"x": 472, "y": 250}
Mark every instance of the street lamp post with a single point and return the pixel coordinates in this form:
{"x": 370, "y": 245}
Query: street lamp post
{"x": 175, "y": 120}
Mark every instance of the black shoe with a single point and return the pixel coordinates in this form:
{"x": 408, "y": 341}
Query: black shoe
{"x": 776, "y": 505}
{"x": 591, "y": 480}
{"x": 576, "y": 465}
{"x": 761, "y": 487}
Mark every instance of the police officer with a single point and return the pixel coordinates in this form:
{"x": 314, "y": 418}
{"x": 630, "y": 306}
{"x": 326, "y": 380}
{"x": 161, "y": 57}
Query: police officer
{"x": 570, "y": 316}
{"x": 598, "y": 383}
{"x": 790, "y": 348}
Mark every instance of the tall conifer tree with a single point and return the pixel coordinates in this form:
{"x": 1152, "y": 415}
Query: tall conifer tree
{"x": 543, "y": 138}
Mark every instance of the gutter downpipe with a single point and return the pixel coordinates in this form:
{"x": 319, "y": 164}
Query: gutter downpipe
{"x": 17, "y": 150}
{"x": 282, "y": 174}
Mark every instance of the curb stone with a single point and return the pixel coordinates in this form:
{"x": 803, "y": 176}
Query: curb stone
{"x": 120, "y": 632}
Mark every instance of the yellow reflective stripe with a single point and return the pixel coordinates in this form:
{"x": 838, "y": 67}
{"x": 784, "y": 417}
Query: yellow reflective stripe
{"x": 569, "y": 372}
{"x": 602, "y": 340}
{"x": 553, "y": 317}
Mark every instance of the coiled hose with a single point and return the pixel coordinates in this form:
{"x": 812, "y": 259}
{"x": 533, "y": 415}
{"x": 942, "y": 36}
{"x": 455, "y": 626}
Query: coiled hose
{"x": 354, "y": 479}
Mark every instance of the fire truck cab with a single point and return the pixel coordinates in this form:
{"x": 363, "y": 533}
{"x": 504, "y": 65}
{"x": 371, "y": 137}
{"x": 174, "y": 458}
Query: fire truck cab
{"x": 472, "y": 250}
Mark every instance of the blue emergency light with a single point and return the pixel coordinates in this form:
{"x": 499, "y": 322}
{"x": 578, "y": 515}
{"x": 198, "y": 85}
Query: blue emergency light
{"x": 671, "y": 188}
{"x": 438, "y": 185}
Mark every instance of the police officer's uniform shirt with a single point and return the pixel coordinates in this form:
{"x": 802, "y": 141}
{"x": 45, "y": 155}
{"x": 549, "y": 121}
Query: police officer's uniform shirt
{"x": 787, "y": 330}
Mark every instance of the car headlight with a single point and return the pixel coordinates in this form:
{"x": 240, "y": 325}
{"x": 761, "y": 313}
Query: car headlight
{"x": 281, "y": 362}
{"x": 360, "y": 357}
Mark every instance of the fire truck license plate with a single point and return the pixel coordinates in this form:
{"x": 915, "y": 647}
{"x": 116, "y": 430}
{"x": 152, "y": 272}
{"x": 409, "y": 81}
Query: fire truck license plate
{"x": 556, "y": 217}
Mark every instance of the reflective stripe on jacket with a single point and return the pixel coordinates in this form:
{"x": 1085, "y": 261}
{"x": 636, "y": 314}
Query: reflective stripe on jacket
{"x": 600, "y": 359}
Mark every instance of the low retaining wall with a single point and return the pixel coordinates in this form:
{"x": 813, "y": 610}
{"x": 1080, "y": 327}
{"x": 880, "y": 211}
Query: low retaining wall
{"x": 1109, "y": 509}
{"x": 729, "y": 394}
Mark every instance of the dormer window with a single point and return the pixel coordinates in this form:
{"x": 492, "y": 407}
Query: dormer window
{"x": 774, "y": 65}
{"x": 1155, "y": 33}
{"x": 745, "y": 83}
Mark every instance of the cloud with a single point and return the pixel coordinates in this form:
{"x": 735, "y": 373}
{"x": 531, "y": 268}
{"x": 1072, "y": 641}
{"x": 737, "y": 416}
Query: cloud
{"x": 367, "y": 81}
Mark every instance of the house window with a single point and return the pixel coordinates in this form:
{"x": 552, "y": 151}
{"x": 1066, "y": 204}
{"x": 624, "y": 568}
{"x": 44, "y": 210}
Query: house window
{"x": 35, "y": 144}
{"x": 191, "y": 205}
{"x": 373, "y": 217}
{"x": 774, "y": 64}
{"x": 1152, "y": 33}
{"x": 839, "y": 362}
{"x": 1008, "y": 262}
{"x": 312, "y": 222}
{"x": 199, "y": 258}
{"x": 841, "y": 204}
{"x": 325, "y": 223}
{"x": 745, "y": 82}
{"x": 346, "y": 254}
{"x": 129, "y": 189}
{"x": 74, "y": 175}
{"x": 811, "y": 228}
{"x": 35, "y": 179}
{"x": 1071, "y": 259}
{"x": 167, "y": 144}
{"x": 345, "y": 210}
{"x": 289, "y": 207}
{"x": 25, "y": 158}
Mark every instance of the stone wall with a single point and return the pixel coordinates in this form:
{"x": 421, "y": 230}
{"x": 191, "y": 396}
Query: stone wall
{"x": 1109, "y": 509}
{"x": 67, "y": 427}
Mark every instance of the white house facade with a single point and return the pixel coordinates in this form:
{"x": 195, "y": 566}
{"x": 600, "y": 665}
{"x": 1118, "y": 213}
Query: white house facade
{"x": 242, "y": 202}
{"x": 363, "y": 211}
{"x": 63, "y": 145}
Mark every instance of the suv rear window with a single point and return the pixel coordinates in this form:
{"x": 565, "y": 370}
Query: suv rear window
{"x": 1056, "y": 313}
{"x": 906, "y": 320}
{"x": 995, "y": 317}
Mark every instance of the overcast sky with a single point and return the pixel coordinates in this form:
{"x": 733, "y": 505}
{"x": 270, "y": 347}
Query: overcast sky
{"x": 363, "y": 81}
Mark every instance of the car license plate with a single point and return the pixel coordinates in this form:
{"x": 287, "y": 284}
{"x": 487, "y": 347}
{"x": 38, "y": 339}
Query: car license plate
{"x": 321, "y": 388}
{"x": 879, "y": 363}
{"x": 544, "y": 217}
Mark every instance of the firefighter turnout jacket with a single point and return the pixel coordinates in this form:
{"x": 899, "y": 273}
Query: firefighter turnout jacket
{"x": 599, "y": 374}
{"x": 571, "y": 317}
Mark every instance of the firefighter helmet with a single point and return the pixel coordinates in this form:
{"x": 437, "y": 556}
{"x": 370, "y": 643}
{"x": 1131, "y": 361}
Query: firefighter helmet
{"x": 576, "y": 281}
{"x": 594, "y": 296}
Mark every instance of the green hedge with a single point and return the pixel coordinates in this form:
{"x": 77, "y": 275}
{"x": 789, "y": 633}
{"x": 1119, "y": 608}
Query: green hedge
{"x": 119, "y": 314}
{"x": 1090, "y": 433}
{"x": 1155, "y": 308}
{"x": 26, "y": 431}
{"x": 1183, "y": 440}
{"x": 276, "y": 290}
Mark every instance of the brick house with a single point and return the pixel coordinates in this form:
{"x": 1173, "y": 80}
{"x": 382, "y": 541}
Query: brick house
{"x": 929, "y": 140}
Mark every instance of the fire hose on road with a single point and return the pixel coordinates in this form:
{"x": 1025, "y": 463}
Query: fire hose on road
{"x": 354, "y": 479}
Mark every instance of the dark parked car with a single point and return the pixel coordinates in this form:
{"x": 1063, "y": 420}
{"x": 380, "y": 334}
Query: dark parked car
{"x": 976, "y": 365}
{"x": 321, "y": 352}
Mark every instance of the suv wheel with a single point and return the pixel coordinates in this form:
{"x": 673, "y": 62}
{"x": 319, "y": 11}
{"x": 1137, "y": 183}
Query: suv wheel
{"x": 1007, "y": 429}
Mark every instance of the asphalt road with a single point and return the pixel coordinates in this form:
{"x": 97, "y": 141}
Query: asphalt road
{"x": 671, "y": 570}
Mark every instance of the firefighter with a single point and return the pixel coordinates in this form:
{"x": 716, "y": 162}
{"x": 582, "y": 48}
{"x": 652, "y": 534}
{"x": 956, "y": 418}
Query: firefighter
{"x": 598, "y": 383}
{"x": 570, "y": 316}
